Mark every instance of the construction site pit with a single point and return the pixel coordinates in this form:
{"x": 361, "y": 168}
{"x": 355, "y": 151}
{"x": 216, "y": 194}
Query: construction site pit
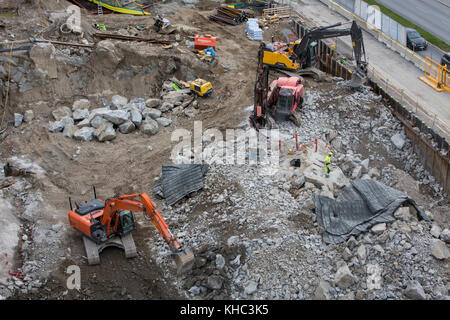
{"x": 253, "y": 230}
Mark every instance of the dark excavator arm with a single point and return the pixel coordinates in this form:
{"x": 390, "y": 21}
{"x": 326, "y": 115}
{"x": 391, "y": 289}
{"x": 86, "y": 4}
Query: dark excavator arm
{"x": 184, "y": 258}
{"x": 302, "y": 52}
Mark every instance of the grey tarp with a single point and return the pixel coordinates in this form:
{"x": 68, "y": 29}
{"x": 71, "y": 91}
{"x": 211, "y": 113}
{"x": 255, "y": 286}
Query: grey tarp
{"x": 359, "y": 207}
{"x": 179, "y": 180}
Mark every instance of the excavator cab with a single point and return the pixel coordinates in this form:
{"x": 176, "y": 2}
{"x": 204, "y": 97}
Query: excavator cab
{"x": 126, "y": 222}
{"x": 284, "y": 105}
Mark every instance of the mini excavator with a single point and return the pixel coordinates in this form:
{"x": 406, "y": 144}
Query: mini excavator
{"x": 111, "y": 222}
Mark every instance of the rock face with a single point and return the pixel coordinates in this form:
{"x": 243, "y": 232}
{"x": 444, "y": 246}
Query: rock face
{"x": 414, "y": 291}
{"x": 435, "y": 231}
{"x": 445, "y": 236}
{"x": 108, "y": 55}
{"x": 97, "y": 121}
{"x": 343, "y": 277}
{"x": 105, "y": 132}
{"x": 55, "y": 126}
{"x": 84, "y": 134}
{"x": 149, "y": 126}
{"x": 440, "y": 250}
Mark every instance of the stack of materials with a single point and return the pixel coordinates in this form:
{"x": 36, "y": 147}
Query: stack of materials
{"x": 229, "y": 15}
{"x": 253, "y": 31}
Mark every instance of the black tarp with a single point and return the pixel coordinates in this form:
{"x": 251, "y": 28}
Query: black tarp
{"x": 359, "y": 207}
{"x": 179, "y": 180}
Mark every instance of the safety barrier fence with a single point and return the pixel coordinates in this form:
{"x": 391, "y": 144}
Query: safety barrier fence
{"x": 436, "y": 76}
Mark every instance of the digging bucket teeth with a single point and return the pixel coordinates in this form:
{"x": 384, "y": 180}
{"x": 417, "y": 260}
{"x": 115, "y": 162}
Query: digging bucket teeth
{"x": 184, "y": 260}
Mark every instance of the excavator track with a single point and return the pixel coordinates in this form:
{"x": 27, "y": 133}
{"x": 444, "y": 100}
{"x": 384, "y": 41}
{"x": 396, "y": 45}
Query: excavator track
{"x": 93, "y": 249}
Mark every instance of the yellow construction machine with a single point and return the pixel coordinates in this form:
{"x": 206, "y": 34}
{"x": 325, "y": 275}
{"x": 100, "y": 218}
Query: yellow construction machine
{"x": 201, "y": 87}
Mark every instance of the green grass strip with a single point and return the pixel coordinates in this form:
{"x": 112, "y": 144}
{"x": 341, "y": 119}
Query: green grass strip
{"x": 408, "y": 24}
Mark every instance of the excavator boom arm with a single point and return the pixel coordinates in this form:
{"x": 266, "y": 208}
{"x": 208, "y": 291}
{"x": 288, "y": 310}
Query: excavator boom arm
{"x": 301, "y": 50}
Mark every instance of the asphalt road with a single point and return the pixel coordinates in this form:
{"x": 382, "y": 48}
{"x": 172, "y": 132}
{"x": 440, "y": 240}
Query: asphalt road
{"x": 432, "y": 15}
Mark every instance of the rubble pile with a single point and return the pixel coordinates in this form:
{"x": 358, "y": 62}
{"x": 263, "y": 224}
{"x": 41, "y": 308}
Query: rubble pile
{"x": 84, "y": 123}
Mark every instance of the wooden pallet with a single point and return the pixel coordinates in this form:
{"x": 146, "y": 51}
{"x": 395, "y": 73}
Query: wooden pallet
{"x": 280, "y": 12}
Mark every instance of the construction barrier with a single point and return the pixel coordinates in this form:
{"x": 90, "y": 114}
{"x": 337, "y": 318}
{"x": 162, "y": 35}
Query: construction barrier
{"x": 280, "y": 12}
{"x": 436, "y": 76}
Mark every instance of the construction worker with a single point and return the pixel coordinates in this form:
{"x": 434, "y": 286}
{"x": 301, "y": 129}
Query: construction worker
{"x": 327, "y": 163}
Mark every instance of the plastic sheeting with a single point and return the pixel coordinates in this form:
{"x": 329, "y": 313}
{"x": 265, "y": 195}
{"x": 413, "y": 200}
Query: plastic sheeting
{"x": 179, "y": 180}
{"x": 358, "y": 208}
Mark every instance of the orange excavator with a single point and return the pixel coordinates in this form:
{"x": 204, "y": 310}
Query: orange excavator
{"x": 111, "y": 222}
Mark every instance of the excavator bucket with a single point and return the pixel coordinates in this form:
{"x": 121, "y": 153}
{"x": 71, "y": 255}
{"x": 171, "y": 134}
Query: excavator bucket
{"x": 184, "y": 261}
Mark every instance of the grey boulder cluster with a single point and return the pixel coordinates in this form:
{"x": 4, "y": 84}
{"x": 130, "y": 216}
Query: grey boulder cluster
{"x": 81, "y": 122}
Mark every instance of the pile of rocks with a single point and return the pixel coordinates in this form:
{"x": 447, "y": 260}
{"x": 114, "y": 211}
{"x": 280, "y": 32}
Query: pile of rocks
{"x": 81, "y": 122}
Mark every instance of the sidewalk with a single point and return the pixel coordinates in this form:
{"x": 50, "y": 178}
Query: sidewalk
{"x": 397, "y": 71}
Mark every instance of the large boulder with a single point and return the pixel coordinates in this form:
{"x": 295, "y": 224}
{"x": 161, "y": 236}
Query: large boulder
{"x": 105, "y": 132}
{"x": 414, "y": 290}
{"x": 43, "y": 56}
{"x": 151, "y": 113}
{"x": 343, "y": 277}
{"x": 81, "y": 104}
{"x": 164, "y": 121}
{"x": 84, "y": 134}
{"x": 61, "y": 112}
{"x": 127, "y": 127}
{"x": 398, "y": 141}
{"x": 118, "y": 102}
{"x": 149, "y": 126}
{"x": 136, "y": 117}
{"x": 80, "y": 114}
{"x": 153, "y": 103}
{"x": 440, "y": 250}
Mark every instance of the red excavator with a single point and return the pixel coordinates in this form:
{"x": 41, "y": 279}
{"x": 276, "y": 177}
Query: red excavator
{"x": 280, "y": 101}
{"x": 110, "y": 223}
